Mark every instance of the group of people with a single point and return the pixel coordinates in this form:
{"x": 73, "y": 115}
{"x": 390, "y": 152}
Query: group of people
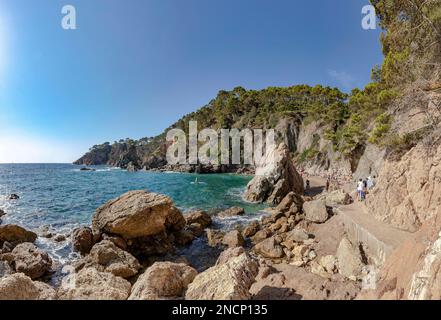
{"x": 364, "y": 186}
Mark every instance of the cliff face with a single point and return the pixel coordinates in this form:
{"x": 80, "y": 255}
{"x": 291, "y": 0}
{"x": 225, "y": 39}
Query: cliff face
{"x": 408, "y": 197}
{"x": 306, "y": 142}
{"x": 118, "y": 155}
{"x": 409, "y": 191}
{"x": 96, "y": 156}
{"x": 317, "y": 155}
{"x": 282, "y": 109}
{"x": 142, "y": 154}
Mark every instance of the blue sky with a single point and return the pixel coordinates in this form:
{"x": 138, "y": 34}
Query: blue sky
{"x": 134, "y": 67}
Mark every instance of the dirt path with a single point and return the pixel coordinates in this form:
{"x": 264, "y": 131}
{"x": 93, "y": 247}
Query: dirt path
{"x": 380, "y": 238}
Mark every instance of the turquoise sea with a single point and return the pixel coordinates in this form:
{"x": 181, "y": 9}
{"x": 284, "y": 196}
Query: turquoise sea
{"x": 61, "y": 197}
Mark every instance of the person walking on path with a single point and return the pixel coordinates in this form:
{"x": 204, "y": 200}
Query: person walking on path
{"x": 361, "y": 190}
{"x": 370, "y": 183}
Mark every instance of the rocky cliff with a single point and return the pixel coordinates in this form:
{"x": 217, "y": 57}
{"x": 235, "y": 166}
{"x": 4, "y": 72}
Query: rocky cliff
{"x": 275, "y": 177}
{"x": 409, "y": 191}
{"x": 408, "y": 197}
{"x": 284, "y": 109}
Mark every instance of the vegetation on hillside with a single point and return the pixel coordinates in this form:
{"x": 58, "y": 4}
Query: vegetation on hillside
{"x": 412, "y": 49}
{"x": 411, "y": 41}
{"x": 242, "y": 108}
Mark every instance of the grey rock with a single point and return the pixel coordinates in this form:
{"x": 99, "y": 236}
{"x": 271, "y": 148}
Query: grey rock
{"x": 316, "y": 211}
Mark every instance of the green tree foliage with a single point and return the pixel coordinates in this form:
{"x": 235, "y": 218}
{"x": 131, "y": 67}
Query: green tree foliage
{"x": 242, "y": 108}
{"x": 411, "y": 41}
{"x": 381, "y": 129}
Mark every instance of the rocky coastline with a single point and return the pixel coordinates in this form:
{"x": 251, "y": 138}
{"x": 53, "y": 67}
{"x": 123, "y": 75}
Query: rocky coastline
{"x": 317, "y": 241}
{"x": 134, "y": 247}
{"x": 125, "y": 252}
{"x": 313, "y": 244}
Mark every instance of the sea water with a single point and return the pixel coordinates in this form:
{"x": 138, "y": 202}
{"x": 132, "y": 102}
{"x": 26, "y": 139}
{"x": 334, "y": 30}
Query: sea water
{"x": 60, "y": 197}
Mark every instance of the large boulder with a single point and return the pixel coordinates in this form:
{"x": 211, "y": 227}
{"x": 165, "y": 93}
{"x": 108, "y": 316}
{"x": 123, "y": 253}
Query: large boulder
{"x": 275, "y": 177}
{"x": 230, "y": 279}
{"x": 258, "y": 189}
{"x": 251, "y": 229}
{"x": 297, "y": 235}
{"x": 138, "y": 214}
{"x": 30, "y": 260}
{"x": 2, "y": 213}
{"x": 336, "y": 198}
{"x": 269, "y": 248}
{"x": 107, "y": 257}
{"x": 260, "y": 236}
{"x": 20, "y": 287}
{"x": 82, "y": 240}
{"x": 91, "y": 284}
{"x": 163, "y": 280}
{"x": 229, "y": 254}
{"x": 15, "y": 234}
{"x": 350, "y": 262}
{"x": 316, "y": 211}
{"x": 233, "y": 239}
{"x": 200, "y": 217}
{"x": 291, "y": 204}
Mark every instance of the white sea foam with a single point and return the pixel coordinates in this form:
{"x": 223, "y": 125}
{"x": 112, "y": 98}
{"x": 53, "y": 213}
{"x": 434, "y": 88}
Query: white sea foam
{"x": 59, "y": 251}
{"x": 237, "y": 193}
{"x": 229, "y": 223}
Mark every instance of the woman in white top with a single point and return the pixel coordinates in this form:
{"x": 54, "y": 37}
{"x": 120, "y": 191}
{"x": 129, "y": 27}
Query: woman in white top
{"x": 360, "y": 190}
